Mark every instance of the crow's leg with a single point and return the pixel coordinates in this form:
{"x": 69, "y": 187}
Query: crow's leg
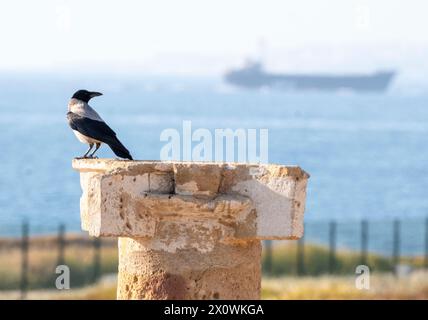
{"x": 97, "y": 146}
{"x": 89, "y": 150}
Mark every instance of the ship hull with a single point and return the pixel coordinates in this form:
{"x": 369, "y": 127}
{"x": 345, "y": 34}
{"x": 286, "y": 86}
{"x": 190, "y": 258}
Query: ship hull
{"x": 374, "y": 82}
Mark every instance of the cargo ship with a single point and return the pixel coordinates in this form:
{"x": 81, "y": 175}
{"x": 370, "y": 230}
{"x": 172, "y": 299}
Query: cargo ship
{"x": 253, "y": 76}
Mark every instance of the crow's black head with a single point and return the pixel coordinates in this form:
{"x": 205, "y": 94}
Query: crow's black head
{"x": 85, "y": 95}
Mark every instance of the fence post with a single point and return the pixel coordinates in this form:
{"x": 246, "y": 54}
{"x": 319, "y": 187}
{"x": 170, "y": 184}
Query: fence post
{"x": 24, "y": 261}
{"x": 426, "y": 243}
{"x": 97, "y": 258}
{"x": 332, "y": 240}
{"x": 268, "y": 256}
{"x": 396, "y": 243}
{"x": 364, "y": 241}
{"x": 300, "y": 256}
{"x": 61, "y": 244}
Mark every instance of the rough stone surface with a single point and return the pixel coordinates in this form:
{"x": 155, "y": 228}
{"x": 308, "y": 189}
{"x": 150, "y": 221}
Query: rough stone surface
{"x": 201, "y": 180}
{"x": 226, "y": 272}
{"x": 110, "y": 187}
{"x": 190, "y": 230}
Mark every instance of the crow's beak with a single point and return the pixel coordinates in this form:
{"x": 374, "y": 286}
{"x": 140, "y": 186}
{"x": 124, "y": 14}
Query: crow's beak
{"x": 95, "y": 94}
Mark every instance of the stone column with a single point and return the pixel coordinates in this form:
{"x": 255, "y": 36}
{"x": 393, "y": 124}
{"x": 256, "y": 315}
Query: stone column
{"x": 190, "y": 230}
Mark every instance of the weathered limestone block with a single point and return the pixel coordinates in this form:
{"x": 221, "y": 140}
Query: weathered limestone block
{"x": 197, "y": 180}
{"x": 190, "y": 230}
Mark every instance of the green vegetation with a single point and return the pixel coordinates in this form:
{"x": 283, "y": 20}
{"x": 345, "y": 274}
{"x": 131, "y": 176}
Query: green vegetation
{"x": 317, "y": 261}
{"x": 43, "y": 257}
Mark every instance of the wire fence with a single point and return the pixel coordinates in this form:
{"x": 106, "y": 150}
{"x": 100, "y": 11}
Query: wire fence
{"x": 328, "y": 247}
{"x": 337, "y": 248}
{"x": 29, "y": 262}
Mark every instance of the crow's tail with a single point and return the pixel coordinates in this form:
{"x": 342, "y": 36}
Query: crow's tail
{"x": 119, "y": 149}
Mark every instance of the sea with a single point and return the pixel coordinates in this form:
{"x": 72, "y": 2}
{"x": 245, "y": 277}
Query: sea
{"x": 366, "y": 154}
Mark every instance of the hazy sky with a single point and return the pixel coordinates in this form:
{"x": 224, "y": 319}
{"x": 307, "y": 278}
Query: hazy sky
{"x": 204, "y": 36}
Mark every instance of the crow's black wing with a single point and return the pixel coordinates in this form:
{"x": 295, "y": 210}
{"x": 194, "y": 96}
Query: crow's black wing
{"x": 98, "y": 130}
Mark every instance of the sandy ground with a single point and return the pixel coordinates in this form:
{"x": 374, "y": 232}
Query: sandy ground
{"x": 384, "y": 286}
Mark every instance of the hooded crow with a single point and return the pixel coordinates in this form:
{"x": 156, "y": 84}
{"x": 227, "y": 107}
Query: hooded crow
{"x": 90, "y": 128}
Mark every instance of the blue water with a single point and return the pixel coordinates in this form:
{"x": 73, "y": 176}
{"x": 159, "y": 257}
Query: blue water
{"x": 366, "y": 154}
